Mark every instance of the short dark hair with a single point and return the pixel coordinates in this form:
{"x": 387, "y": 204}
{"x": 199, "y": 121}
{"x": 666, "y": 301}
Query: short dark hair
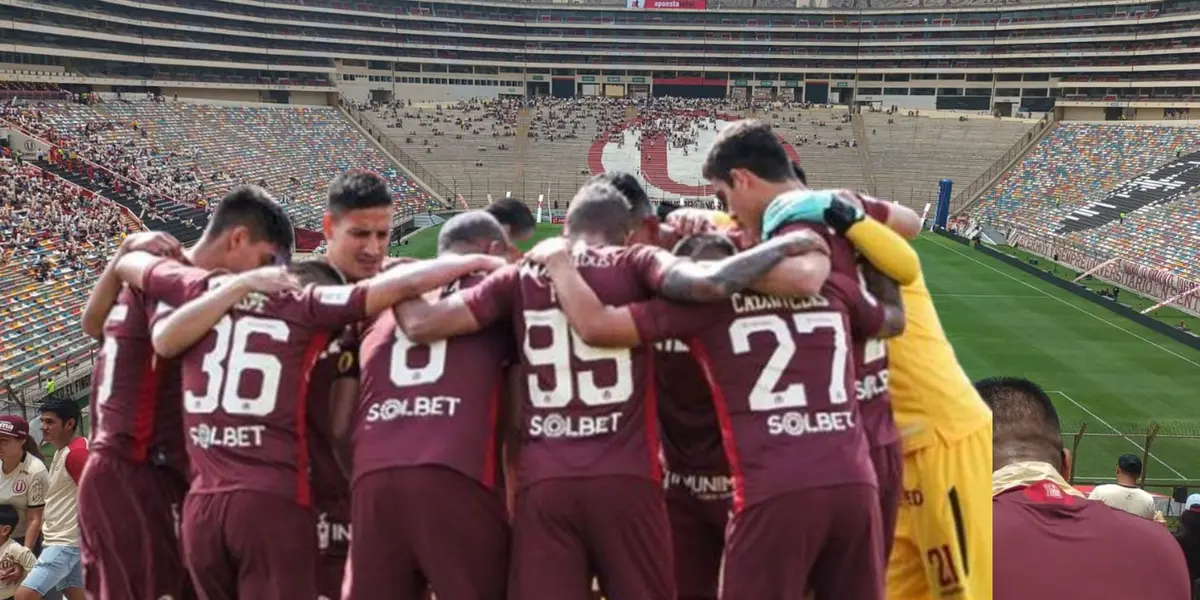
{"x": 748, "y": 144}
{"x": 599, "y": 208}
{"x": 1130, "y": 464}
{"x": 316, "y": 271}
{"x": 62, "y": 408}
{"x": 1024, "y": 421}
{"x": 9, "y": 516}
{"x": 513, "y": 214}
{"x": 253, "y": 208}
{"x": 799, "y": 173}
{"x": 476, "y": 227}
{"x": 356, "y": 189}
{"x": 705, "y": 243}
{"x": 627, "y": 184}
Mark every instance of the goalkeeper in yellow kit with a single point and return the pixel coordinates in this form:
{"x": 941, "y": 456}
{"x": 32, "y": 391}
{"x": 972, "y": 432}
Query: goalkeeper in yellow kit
{"x": 943, "y": 545}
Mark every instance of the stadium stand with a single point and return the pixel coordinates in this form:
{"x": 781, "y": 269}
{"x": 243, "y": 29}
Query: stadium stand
{"x": 194, "y": 153}
{"x": 910, "y": 153}
{"x": 54, "y": 239}
{"x": 1078, "y": 163}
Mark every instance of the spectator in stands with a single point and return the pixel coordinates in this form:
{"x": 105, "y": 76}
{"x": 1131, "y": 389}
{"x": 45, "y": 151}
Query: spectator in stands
{"x": 1125, "y": 493}
{"x": 515, "y": 216}
{"x": 1050, "y": 542}
{"x": 1188, "y": 535}
{"x": 59, "y": 567}
{"x": 24, "y": 478}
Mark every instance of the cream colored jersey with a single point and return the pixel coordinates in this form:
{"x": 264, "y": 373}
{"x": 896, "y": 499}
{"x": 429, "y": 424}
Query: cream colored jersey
{"x": 61, "y": 526}
{"x": 1132, "y": 500}
{"x": 24, "y": 488}
{"x": 11, "y": 554}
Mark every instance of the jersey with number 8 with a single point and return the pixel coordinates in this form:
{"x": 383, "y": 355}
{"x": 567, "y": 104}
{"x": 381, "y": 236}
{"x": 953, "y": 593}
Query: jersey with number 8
{"x": 431, "y": 404}
{"x": 586, "y": 411}
{"x": 245, "y": 388}
{"x": 782, "y": 377}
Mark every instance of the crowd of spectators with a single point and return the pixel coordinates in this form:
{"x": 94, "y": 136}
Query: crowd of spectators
{"x": 127, "y": 153}
{"x": 35, "y": 207}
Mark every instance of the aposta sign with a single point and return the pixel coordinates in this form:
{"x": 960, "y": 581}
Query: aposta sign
{"x": 668, "y": 4}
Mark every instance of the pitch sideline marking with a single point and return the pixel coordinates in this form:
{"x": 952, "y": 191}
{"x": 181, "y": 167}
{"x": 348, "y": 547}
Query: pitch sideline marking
{"x": 1029, "y": 296}
{"x": 1048, "y": 294}
{"x": 1116, "y": 431}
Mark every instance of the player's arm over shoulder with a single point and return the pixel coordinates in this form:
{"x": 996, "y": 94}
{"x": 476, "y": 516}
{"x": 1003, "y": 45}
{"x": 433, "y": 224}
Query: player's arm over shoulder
{"x": 423, "y": 320}
{"x": 595, "y": 323}
{"x": 689, "y": 281}
{"x": 899, "y": 218}
{"x": 802, "y": 274}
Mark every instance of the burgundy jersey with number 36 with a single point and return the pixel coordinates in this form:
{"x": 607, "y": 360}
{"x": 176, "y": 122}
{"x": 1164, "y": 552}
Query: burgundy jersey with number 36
{"x": 585, "y": 411}
{"x": 245, "y": 387}
{"x": 782, "y": 378}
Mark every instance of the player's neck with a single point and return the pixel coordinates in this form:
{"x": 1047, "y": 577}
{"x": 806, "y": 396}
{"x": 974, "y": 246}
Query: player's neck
{"x": 592, "y": 240}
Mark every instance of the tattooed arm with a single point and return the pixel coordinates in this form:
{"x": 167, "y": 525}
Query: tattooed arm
{"x": 690, "y": 281}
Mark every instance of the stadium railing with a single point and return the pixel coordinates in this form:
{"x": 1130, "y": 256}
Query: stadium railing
{"x": 1167, "y": 288}
{"x": 1155, "y": 439}
{"x": 966, "y": 196}
{"x": 375, "y": 131}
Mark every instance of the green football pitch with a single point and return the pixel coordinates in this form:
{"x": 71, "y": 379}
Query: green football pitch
{"x": 1100, "y": 369}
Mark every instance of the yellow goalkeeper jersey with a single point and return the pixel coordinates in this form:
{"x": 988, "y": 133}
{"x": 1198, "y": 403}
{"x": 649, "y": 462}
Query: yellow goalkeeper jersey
{"x": 931, "y": 395}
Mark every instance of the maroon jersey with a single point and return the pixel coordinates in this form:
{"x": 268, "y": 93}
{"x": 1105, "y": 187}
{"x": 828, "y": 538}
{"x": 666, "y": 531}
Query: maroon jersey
{"x": 782, "y": 376}
{"x": 585, "y": 411}
{"x": 245, "y": 389}
{"x": 136, "y": 395}
{"x": 1049, "y": 545}
{"x": 691, "y": 433}
{"x": 330, "y": 485}
{"x": 435, "y": 404}
{"x": 870, "y": 355}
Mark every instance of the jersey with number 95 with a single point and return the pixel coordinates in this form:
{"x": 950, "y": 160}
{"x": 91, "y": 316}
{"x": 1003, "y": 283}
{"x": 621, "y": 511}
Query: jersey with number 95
{"x": 586, "y": 411}
{"x": 245, "y": 385}
{"x": 782, "y": 377}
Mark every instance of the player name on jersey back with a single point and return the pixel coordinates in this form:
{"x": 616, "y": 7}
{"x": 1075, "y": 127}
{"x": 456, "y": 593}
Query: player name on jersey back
{"x": 783, "y": 377}
{"x": 431, "y": 404}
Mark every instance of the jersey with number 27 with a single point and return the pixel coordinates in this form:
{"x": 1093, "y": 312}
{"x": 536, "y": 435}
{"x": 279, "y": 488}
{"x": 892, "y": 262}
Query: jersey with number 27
{"x": 782, "y": 377}
{"x": 585, "y": 411}
{"x": 245, "y": 388}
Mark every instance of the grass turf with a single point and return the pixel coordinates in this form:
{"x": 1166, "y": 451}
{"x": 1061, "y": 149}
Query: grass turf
{"x": 1102, "y": 369}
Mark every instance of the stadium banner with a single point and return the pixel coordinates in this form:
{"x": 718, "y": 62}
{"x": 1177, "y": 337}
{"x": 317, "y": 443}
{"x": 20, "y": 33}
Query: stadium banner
{"x": 667, "y": 4}
{"x": 1159, "y": 284}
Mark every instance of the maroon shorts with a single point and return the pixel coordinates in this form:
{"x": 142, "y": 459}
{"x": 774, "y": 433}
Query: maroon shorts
{"x": 826, "y": 540}
{"x": 128, "y": 525}
{"x": 331, "y": 571}
{"x": 565, "y": 531}
{"x": 698, "y": 536}
{"x": 889, "y": 469}
{"x": 426, "y": 527}
{"x": 333, "y": 545}
{"x": 249, "y": 545}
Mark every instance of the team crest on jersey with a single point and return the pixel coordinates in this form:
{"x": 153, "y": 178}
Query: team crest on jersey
{"x": 667, "y": 169}
{"x": 345, "y": 362}
{"x": 18, "y": 485}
